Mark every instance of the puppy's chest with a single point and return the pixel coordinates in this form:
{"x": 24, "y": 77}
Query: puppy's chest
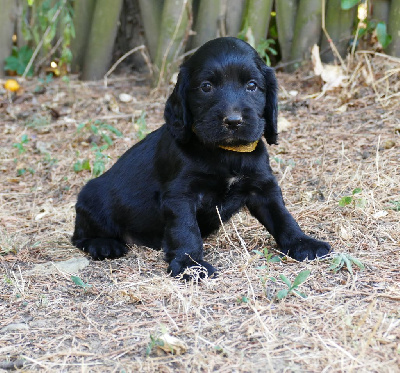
{"x": 221, "y": 189}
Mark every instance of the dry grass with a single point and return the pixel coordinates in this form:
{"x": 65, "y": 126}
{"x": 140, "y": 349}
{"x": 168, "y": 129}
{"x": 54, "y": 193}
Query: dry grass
{"x": 233, "y": 323}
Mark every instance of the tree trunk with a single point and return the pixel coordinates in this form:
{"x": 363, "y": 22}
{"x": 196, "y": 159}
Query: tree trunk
{"x": 380, "y": 10}
{"x": 285, "y": 20}
{"x": 7, "y": 19}
{"x": 151, "y": 11}
{"x": 101, "y": 39}
{"x": 394, "y": 28}
{"x": 258, "y": 16}
{"x": 234, "y": 10}
{"x": 173, "y": 33}
{"x": 339, "y": 23}
{"x": 307, "y": 31}
{"x": 207, "y": 22}
{"x": 83, "y": 14}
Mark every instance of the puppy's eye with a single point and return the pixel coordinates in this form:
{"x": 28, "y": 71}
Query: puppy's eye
{"x": 206, "y": 86}
{"x": 251, "y": 86}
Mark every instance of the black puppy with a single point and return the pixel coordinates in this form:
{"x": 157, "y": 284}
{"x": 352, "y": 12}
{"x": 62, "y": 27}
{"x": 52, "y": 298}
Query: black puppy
{"x": 165, "y": 191}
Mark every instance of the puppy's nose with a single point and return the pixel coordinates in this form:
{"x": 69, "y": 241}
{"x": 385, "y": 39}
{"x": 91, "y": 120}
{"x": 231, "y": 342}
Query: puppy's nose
{"x": 233, "y": 120}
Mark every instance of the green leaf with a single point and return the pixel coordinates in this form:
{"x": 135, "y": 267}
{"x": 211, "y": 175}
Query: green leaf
{"x": 107, "y": 139}
{"x": 18, "y": 60}
{"x": 357, "y": 262}
{"x": 282, "y": 293}
{"x": 80, "y": 127}
{"x": 77, "y": 281}
{"x": 86, "y": 164}
{"x": 348, "y": 4}
{"x": 344, "y": 201}
{"x": 258, "y": 252}
{"x": 94, "y": 129}
{"x": 275, "y": 259}
{"x": 300, "y": 293}
{"x": 348, "y": 263}
{"x": 356, "y": 191}
{"x": 285, "y": 280}
{"x": 113, "y": 130}
{"x": 301, "y": 277}
{"x": 382, "y": 35}
{"x": 78, "y": 166}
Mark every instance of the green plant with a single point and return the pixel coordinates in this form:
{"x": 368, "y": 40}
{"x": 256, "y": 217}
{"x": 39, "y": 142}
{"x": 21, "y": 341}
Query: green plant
{"x": 368, "y": 26}
{"x": 154, "y": 342}
{"x": 263, "y": 48}
{"x": 292, "y": 287}
{"x": 20, "y": 145}
{"x": 101, "y": 129}
{"x": 243, "y": 299}
{"x": 342, "y": 259}
{"x": 79, "y": 282}
{"x": 45, "y": 20}
{"x": 22, "y": 171}
{"x": 356, "y": 201}
{"x": 99, "y": 164}
{"x": 42, "y": 83}
{"x": 18, "y": 60}
{"x": 82, "y": 165}
{"x": 269, "y": 257}
{"x": 141, "y": 126}
{"x": 395, "y": 205}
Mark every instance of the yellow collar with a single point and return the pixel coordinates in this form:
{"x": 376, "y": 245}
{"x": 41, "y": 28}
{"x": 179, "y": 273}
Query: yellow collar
{"x": 248, "y": 148}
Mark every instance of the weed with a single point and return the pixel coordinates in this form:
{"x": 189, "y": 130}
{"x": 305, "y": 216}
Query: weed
{"x": 19, "y": 59}
{"x": 356, "y": 201}
{"x": 82, "y": 165}
{"x": 269, "y": 257}
{"x": 78, "y": 281}
{"x": 141, "y": 126}
{"x": 40, "y": 15}
{"x": 22, "y": 171}
{"x": 99, "y": 164}
{"x": 243, "y": 299}
{"x": 289, "y": 163}
{"x": 292, "y": 287}
{"x": 101, "y": 129}
{"x": 39, "y": 123}
{"x": 263, "y": 48}
{"x": 342, "y": 259}
{"x": 154, "y": 342}
{"x": 42, "y": 83}
{"x": 395, "y": 205}
{"x": 20, "y": 145}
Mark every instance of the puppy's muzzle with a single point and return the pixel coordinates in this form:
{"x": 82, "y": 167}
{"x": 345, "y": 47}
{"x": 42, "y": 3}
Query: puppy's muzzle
{"x": 233, "y": 121}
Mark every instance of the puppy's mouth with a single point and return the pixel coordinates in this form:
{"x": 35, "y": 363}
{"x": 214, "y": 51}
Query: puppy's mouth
{"x": 217, "y": 134}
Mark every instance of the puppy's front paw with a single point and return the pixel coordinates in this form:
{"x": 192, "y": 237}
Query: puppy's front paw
{"x": 102, "y": 248}
{"x": 202, "y": 268}
{"x": 306, "y": 248}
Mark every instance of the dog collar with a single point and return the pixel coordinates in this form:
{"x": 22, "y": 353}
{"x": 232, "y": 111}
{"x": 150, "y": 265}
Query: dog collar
{"x": 248, "y": 148}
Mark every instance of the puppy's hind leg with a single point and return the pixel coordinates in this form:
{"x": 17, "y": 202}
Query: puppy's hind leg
{"x": 101, "y": 248}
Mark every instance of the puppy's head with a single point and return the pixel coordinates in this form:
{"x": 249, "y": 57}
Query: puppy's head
{"x": 225, "y": 95}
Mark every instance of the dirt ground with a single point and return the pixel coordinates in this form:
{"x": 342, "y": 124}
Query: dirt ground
{"x": 116, "y": 318}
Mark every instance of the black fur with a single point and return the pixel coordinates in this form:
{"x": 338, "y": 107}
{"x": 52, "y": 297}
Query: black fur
{"x": 164, "y": 191}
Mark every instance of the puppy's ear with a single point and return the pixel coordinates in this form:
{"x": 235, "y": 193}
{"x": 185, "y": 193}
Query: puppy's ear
{"x": 176, "y": 114}
{"x": 271, "y": 106}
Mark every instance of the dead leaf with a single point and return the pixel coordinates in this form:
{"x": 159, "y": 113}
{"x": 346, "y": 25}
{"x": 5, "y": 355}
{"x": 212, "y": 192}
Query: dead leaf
{"x": 172, "y": 345}
{"x": 380, "y": 214}
{"x": 283, "y": 124}
{"x": 332, "y": 75}
{"x": 346, "y": 233}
